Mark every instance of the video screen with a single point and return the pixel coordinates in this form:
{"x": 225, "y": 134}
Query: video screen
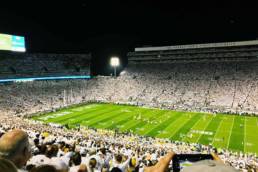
{"x": 185, "y": 163}
{"x": 12, "y": 43}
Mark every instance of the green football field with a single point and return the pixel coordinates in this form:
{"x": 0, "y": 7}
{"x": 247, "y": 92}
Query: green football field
{"x": 233, "y": 132}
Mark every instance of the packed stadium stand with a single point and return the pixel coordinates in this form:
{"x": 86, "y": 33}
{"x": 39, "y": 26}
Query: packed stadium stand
{"x": 13, "y": 65}
{"x": 228, "y": 84}
{"x": 218, "y": 77}
{"x": 221, "y": 77}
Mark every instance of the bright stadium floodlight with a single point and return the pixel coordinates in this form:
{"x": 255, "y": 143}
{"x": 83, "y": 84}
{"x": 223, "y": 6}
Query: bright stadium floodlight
{"x": 114, "y": 63}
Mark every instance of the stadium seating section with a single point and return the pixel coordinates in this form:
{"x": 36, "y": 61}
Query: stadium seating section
{"x": 205, "y": 86}
{"x": 209, "y": 80}
{"x": 13, "y": 65}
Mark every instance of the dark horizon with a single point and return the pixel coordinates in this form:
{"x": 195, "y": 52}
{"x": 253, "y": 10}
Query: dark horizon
{"x": 114, "y": 27}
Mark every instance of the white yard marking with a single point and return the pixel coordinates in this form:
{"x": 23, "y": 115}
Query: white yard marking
{"x": 102, "y": 123}
{"x": 249, "y": 144}
{"x": 163, "y": 132}
{"x": 217, "y": 132}
{"x": 204, "y": 129}
{"x": 54, "y": 115}
{"x": 120, "y": 126}
{"x": 197, "y": 122}
{"x": 203, "y": 132}
{"x": 244, "y": 134}
{"x": 231, "y": 131}
{"x": 125, "y": 110}
{"x": 180, "y": 126}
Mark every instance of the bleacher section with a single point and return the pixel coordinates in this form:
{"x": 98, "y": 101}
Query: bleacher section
{"x": 228, "y": 51}
{"x": 206, "y": 86}
{"x": 16, "y": 65}
{"x": 226, "y": 86}
{"x": 217, "y": 79}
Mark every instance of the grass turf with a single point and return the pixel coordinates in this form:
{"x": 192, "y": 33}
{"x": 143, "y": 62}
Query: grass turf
{"x": 237, "y": 133}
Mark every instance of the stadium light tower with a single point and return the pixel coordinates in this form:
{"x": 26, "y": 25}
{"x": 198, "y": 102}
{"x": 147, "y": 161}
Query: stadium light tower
{"x": 114, "y": 63}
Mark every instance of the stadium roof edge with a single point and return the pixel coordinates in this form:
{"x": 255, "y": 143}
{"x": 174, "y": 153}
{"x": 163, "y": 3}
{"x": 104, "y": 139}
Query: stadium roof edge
{"x": 197, "y": 46}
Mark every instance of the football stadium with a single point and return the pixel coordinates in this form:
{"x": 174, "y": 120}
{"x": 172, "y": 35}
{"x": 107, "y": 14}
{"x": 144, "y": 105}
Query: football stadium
{"x": 222, "y": 131}
{"x": 169, "y": 107}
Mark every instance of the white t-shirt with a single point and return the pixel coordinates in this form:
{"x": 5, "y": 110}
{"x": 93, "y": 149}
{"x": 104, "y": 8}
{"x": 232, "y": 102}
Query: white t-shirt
{"x": 39, "y": 160}
{"x": 122, "y": 166}
{"x": 74, "y": 168}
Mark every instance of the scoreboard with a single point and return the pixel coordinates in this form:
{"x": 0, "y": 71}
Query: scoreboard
{"x": 12, "y": 43}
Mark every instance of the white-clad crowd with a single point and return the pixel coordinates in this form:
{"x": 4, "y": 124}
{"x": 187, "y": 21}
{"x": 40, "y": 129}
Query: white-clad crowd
{"x": 229, "y": 87}
{"x": 225, "y": 87}
{"x": 103, "y": 150}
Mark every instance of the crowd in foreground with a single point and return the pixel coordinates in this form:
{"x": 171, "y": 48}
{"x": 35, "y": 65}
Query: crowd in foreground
{"x": 32, "y": 146}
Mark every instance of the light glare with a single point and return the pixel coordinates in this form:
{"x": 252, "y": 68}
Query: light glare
{"x": 115, "y": 61}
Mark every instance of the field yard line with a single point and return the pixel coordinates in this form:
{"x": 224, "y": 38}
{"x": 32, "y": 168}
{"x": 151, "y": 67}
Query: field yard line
{"x": 76, "y": 115}
{"x": 193, "y": 126}
{"x": 121, "y": 118}
{"x": 109, "y": 121}
{"x": 171, "y": 124}
{"x": 93, "y": 116}
{"x": 148, "y": 113}
{"x": 216, "y": 132}
{"x": 162, "y": 126}
{"x": 159, "y": 117}
{"x": 245, "y": 135}
{"x": 231, "y": 131}
{"x": 181, "y": 125}
{"x": 197, "y": 141}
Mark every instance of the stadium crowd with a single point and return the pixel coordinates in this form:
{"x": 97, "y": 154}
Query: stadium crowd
{"x": 84, "y": 149}
{"x": 229, "y": 87}
{"x": 210, "y": 87}
{"x": 30, "y": 65}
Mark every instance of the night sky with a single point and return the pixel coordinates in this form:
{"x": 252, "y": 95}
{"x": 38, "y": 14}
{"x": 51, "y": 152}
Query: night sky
{"x": 114, "y": 27}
